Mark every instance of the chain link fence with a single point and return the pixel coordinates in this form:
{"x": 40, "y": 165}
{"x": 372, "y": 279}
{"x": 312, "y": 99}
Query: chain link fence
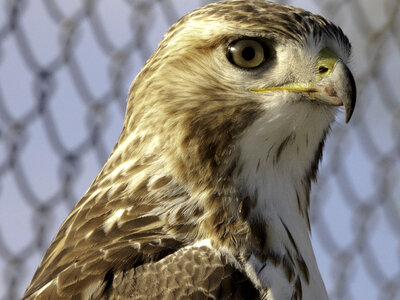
{"x": 65, "y": 70}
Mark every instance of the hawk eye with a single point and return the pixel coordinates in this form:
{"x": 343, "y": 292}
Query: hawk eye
{"x": 246, "y": 53}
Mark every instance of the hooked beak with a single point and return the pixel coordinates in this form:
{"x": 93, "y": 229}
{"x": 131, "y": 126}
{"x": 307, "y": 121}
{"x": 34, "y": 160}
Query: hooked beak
{"x": 339, "y": 88}
{"x": 335, "y": 85}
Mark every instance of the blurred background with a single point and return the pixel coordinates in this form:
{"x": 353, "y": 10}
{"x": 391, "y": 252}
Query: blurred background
{"x": 65, "y": 71}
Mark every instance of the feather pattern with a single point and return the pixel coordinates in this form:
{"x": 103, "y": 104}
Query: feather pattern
{"x": 201, "y": 158}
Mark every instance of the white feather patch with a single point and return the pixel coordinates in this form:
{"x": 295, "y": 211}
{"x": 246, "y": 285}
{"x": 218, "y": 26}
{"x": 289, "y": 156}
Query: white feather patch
{"x": 112, "y": 219}
{"x": 206, "y": 242}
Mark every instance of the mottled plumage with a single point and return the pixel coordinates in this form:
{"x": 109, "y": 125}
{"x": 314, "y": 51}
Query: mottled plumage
{"x": 206, "y": 193}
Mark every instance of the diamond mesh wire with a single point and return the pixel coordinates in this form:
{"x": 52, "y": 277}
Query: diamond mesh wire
{"x": 65, "y": 69}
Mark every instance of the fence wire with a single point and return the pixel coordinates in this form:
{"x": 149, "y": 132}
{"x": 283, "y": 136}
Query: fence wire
{"x": 65, "y": 69}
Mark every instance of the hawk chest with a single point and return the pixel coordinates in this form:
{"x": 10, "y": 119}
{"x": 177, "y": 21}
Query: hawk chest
{"x": 273, "y": 170}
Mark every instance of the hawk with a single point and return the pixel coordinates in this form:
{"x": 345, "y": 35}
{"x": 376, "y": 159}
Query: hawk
{"x": 206, "y": 193}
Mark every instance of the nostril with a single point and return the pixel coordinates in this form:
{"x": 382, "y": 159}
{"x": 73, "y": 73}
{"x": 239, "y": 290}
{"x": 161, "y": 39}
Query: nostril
{"x": 323, "y": 70}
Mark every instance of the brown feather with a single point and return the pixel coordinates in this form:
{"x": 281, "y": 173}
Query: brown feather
{"x": 190, "y": 273}
{"x": 169, "y": 181}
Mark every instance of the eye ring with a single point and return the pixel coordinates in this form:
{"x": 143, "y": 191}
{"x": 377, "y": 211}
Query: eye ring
{"x": 247, "y": 53}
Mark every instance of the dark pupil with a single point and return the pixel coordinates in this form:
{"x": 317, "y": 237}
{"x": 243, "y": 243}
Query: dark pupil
{"x": 248, "y": 53}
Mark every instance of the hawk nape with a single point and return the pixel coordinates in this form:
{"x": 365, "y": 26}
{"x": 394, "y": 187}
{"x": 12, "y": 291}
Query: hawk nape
{"x": 206, "y": 193}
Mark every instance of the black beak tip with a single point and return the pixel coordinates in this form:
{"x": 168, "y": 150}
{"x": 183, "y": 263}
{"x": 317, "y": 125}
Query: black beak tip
{"x": 352, "y": 93}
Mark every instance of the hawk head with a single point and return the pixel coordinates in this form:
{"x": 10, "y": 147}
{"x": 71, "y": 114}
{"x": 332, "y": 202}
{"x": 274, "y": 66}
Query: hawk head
{"x": 223, "y": 134}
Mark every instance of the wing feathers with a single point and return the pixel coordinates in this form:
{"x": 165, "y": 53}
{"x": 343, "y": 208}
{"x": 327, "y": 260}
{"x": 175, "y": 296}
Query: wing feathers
{"x": 189, "y": 273}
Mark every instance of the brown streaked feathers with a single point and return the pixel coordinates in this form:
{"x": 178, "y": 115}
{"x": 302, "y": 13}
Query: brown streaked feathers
{"x": 168, "y": 183}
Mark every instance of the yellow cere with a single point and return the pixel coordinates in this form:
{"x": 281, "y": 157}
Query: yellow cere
{"x": 326, "y": 63}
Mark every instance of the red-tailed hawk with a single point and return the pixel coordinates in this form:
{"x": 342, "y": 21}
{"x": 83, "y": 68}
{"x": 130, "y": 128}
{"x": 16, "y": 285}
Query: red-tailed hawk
{"x": 206, "y": 193}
